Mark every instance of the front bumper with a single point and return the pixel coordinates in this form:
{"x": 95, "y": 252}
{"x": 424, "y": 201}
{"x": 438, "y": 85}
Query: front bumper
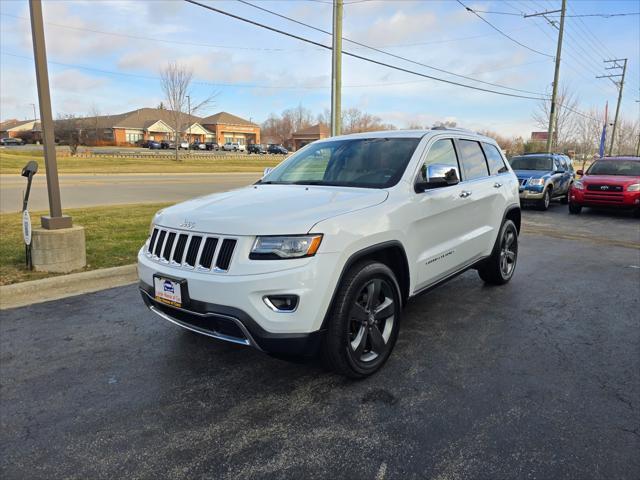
{"x": 531, "y": 194}
{"x": 590, "y": 198}
{"x": 232, "y": 325}
{"x": 313, "y": 280}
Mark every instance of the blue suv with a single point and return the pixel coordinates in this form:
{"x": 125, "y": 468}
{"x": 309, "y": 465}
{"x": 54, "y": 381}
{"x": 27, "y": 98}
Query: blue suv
{"x": 542, "y": 177}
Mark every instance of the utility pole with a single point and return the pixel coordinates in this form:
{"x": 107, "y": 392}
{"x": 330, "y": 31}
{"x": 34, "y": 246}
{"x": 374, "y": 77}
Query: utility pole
{"x": 620, "y": 84}
{"x": 336, "y": 69}
{"x": 34, "y": 111}
{"x": 55, "y": 220}
{"x": 189, "y": 119}
{"x": 638, "y": 146}
{"x": 556, "y": 75}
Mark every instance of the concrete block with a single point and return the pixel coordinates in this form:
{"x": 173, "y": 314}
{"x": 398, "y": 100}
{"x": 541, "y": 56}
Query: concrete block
{"x": 60, "y": 251}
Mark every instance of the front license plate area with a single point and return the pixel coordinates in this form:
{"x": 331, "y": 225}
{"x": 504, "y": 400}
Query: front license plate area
{"x": 170, "y": 291}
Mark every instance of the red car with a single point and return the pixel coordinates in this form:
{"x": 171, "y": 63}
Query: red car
{"x": 609, "y": 182}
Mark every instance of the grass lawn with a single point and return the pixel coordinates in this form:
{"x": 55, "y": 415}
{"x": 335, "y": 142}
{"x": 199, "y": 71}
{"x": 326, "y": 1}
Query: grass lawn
{"x": 113, "y": 235}
{"x": 11, "y": 162}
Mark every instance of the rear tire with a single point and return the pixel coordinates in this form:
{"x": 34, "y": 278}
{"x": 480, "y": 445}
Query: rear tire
{"x": 500, "y": 266}
{"x": 575, "y": 209}
{"x": 565, "y": 199}
{"x": 364, "y": 321}
{"x": 543, "y": 204}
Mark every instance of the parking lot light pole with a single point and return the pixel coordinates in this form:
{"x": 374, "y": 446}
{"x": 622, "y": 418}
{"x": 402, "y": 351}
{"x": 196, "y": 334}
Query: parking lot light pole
{"x": 55, "y": 220}
{"x": 336, "y": 70}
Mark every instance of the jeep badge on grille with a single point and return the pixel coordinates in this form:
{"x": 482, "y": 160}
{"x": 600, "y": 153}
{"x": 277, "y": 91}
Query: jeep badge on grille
{"x": 187, "y": 224}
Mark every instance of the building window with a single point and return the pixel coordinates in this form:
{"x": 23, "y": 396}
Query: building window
{"x": 228, "y": 139}
{"x": 134, "y": 137}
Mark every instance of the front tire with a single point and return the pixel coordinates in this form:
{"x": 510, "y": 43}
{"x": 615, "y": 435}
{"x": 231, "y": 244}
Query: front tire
{"x": 575, "y": 209}
{"x": 500, "y": 266}
{"x": 364, "y": 321}
{"x": 543, "y": 204}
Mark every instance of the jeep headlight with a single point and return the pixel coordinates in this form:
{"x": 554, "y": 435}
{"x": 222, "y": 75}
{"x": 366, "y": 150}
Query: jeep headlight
{"x": 536, "y": 182}
{"x": 578, "y": 185}
{"x": 285, "y": 247}
{"x": 634, "y": 187}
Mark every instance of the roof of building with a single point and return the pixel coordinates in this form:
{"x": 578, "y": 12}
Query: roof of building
{"x": 225, "y": 118}
{"x": 14, "y": 123}
{"x": 318, "y": 129}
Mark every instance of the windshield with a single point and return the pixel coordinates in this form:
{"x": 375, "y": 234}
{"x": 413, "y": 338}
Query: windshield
{"x": 628, "y": 168}
{"x": 531, "y": 162}
{"x": 363, "y": 162}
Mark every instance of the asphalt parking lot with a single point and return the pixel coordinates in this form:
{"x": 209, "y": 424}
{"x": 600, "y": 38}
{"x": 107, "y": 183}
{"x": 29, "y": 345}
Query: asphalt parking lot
{"x": 536, "y": 379}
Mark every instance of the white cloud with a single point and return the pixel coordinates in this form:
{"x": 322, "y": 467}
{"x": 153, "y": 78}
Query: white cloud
{"x": 74, "y": 81}
{"x": 397, "y": 28}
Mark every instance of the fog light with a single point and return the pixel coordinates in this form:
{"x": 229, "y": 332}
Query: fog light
{"x": 281, "y": 303}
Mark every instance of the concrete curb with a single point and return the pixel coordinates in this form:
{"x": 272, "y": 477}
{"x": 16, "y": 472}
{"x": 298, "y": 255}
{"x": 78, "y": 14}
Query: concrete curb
{"x": 54, "y": 288}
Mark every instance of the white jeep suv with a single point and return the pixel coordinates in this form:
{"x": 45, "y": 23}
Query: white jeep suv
{"x": 322, "y": 253}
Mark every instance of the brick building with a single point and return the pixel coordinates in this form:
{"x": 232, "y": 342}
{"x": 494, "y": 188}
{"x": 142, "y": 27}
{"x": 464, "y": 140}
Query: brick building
{"x": 226, "y": 128}
{"x": 28, "y": 130}
{"x": 308, "y": 135}
{"x": 131, "y": 128}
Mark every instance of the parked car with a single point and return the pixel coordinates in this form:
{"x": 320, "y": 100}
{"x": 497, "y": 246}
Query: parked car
{"x": 277, "y": 149}
{"x": 10, "y": 141}
{"x": 543, "y": 177}
{"x": 184, "y": 146}
{"x": 153, "y": 145}
{"x": 323, "y": 252}
{"x": 256, "y": 148}
{"x": 612, "y": 182}
{"x": 198, "y": 146}
{"x": 212, "y": 146}
{"x": 167, "y": 145}
{"x": 233, "y": 147}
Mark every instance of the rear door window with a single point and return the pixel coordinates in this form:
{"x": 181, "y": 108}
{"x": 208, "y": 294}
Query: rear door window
{"x": 494, "y": 159}
{"x": 472, "y": 159}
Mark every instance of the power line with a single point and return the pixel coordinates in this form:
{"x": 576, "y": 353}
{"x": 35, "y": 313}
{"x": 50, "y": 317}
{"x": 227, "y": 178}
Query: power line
{"x": 387, "y": 53}
{"x": 360, "y": 57}
{"x": 231, "y": 85}
{"x": 469, "y": 9}
{"x": 152, "y": 39}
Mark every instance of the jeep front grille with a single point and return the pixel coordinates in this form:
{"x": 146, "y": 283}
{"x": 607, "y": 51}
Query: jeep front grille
{"x": 191, "y": 251}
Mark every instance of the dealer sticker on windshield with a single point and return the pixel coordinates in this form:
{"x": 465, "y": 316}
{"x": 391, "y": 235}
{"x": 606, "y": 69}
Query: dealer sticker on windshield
{"x": 168, "y": 291}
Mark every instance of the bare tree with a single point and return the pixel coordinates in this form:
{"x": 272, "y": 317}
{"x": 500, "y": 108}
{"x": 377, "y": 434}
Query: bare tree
{"x": 357, "y": 121}
{"x": 68, "y": 129}
{"x": 176, "y": 82}
{"x": 566, "y": 125}
{"x": 446, "y": 124}
{"x": 93, "y": 127}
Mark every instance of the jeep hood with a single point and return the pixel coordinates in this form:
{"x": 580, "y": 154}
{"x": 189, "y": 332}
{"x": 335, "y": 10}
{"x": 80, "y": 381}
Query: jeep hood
{"x": 267, "y": 209}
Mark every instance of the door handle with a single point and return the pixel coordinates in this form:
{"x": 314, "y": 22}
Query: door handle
{"x": 497, "y": 185}
{"x": 465, "y": 193}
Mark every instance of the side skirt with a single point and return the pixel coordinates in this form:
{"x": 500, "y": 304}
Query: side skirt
{"x": 451, "y": 276}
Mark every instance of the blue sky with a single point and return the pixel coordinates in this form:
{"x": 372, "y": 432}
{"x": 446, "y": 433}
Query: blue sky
{"x": 256, "y": 72}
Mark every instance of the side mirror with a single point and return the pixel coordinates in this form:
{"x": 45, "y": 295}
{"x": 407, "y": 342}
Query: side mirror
{"x": 30, "y": 169}
{"x": 267, "y": 171}
{"x": 437, "y": 175}
{"x": 579, "y": 172}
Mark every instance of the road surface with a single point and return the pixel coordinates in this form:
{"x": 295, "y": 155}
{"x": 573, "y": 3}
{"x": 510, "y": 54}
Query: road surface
{"x": 80, "y": 190}
{"x": 539, "y": 378}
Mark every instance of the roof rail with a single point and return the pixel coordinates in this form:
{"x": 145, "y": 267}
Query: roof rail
{"x": 454, "y": 129}
{"x": 544, "y": 153}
